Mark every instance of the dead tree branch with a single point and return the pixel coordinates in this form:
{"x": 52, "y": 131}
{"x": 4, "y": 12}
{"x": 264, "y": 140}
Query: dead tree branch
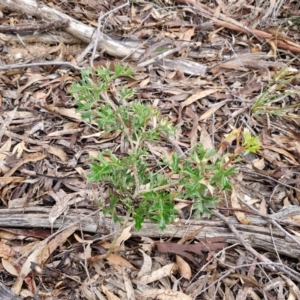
{"x": 257, "y": 235}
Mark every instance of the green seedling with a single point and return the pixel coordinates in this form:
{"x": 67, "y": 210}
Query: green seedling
{"x": 139, "y": 183}
{"x": 251, "y": 143}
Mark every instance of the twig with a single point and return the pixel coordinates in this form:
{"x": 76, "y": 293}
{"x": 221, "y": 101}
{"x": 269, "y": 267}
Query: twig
{"x": 224, "y": 275}
{"x": 215, "y": 256}
{"x": 85, "y": 263}
{"x": 89, "y": 47}
{"x": 271, "y": 178}
{"x": 274, "y": 244}
{"x": 234, "y": 269}
{"x": 95, "y": 41}
{"x": 227, "y": 22}
{"x": 274, "y": 217}
{"x": 158, "y": 188}
{"x": 21, "y": 28}
{"x": 271, "y": 220}
{"x": 161, "y": 56}
{"x": 113, "y": 243}
{"x": 289, "y": 272}
{"x": 45, "y": 63}
{"x": 238, "y": 236}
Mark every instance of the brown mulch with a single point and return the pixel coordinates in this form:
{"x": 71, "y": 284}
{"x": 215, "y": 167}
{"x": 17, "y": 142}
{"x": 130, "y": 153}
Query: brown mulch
{"x": 236, "y": 53}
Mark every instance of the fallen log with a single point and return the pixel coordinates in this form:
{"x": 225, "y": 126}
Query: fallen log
{"x": 258, "y": 235}
{"x": 75, "y": 28}
{"x": 86, "y": 33}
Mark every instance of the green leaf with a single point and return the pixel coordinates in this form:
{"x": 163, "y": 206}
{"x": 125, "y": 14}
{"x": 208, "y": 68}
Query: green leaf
{"x": 251, "y": 143}
{"x": 175, "y": 163}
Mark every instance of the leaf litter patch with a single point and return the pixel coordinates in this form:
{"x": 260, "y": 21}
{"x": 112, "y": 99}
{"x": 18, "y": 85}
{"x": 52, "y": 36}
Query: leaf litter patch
{"x": 246, "y": 83}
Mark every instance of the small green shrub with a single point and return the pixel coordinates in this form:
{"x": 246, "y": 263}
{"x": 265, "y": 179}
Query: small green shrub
{"x": 136, "y": 185}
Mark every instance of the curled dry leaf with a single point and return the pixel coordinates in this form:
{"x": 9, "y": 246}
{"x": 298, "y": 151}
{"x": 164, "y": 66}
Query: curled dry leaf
{"x": 109, "y": 295}
{"x": 198, "y": 95}
{"x": 117, "y": 260}
{"x": 128, "y": 285}
{"x": 63, "y": 201}
{"x": 183, "y": 268}
{"x": 9, "y": 267}
{"x": 6, "y": 251}
{"x": 40, "y": 254}
{"x": 124, "y": 236}
{"x": 4, "y": 149}
{"x": 164, "y": 294}
{"x": 241, "y": 216}
{"x": 147, "y": 265}
{"x": 57, "y": 152}
{"x": 32, "y": 157}
{"x": 158, "y": 274}
{"x": 66, "y": 112}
